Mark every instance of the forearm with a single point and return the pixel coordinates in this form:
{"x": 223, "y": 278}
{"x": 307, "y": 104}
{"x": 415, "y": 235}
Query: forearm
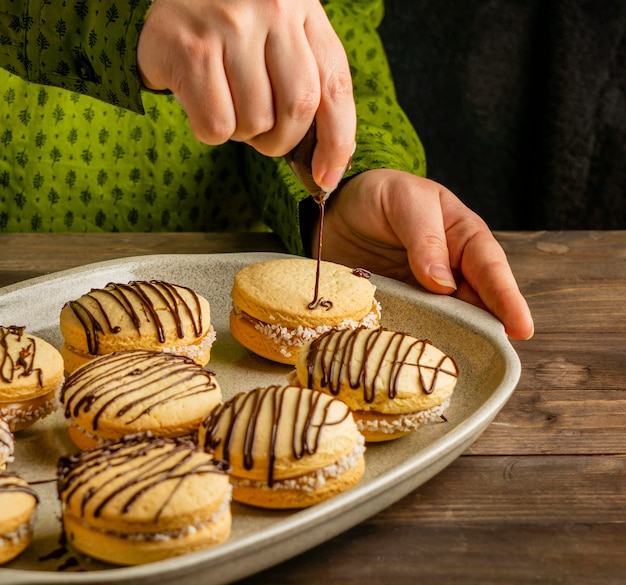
{"x": 87, "y": 46}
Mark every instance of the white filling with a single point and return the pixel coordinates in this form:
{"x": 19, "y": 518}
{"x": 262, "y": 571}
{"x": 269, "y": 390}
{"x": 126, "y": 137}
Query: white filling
{"x": 15, "y": 537}
{"x": 196, "y": 349}
{"x": 169, "y": 534}
{"x": 301, "y": 335}
{"x": 403, "y": 423}
{"x": 7, "y": 443}
{"x": 314, "y": 480}
{"x": 16, "y": 413}
{"x": 100, "y": 440}
{"x": 6, "y": 455}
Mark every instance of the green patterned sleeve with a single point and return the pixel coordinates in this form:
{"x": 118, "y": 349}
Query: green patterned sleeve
{"x": 385, "y": 136}
{"x": 86, "y": 46}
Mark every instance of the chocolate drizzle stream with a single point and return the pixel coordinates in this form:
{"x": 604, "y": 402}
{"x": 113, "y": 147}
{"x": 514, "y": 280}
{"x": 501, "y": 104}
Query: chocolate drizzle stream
{"x": 317, "y": 300}
{"x": 339, "y": 361}
{"x": 25, "y": 358}
{"x": 139, "y": 380}
{"x": 245, "y": 409}
{"x": 300, "y": 160}
{"x": 140, "y": 462}
{"x": 134, "y": 299}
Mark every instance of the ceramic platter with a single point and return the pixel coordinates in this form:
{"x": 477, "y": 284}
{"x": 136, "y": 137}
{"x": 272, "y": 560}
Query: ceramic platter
{"x": 489, "y": 371}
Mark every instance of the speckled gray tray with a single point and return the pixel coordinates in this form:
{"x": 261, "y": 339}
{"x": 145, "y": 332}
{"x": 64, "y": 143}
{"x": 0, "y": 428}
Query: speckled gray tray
{"x": 489, "y": 372}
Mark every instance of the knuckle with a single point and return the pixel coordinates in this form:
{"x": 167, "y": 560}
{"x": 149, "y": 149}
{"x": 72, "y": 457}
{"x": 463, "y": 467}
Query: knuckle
{"x": 212, "y": 131}
{"x": 339, "y": 88}
{"x": 306, "y": 103}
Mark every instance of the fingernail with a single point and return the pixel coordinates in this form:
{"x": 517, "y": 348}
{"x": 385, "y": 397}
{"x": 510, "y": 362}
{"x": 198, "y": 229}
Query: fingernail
{"x": 331, "y": 179}
{"x": 441, "y": 274}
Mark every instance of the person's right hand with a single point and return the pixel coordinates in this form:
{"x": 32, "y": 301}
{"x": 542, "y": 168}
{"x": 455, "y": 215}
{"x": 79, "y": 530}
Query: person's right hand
{"x": 254, "y": 71}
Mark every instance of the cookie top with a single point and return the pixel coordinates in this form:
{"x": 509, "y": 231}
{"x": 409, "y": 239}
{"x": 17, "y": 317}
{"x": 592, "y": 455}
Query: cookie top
{"x": 279, "y": 432}
{"x": 139, "y": 390}
{"x": 139, "y": 315}
{"x": 143, "y": 483}
{"x": 282, "y": 291}
{"x": 17, "y": 502}
{"x": 29, "y": 366}
{"x": 378, "y": 370}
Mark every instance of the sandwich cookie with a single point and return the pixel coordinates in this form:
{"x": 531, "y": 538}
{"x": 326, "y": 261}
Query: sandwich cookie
{"x": 393, "y": 382}
{"x": 7, "y": 444}
{"x": 287, "y": 447}
{"x": 133, "y": 391}
{"x": 144, "y": 499}
{"x": 279, "y": 305}
{"x": 18, "y": 504}
{"x": 153, "y": 315}
{"x": 31, "y": 373}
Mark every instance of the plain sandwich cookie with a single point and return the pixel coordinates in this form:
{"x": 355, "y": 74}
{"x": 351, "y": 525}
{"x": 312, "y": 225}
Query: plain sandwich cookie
{"x": 279, "y": 305}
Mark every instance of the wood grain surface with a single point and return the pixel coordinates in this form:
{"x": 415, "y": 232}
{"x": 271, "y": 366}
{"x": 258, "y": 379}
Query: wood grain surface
{"x": 540, "y": 497}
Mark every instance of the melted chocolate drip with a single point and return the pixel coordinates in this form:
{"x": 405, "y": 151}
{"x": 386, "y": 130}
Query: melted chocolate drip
{"x": 136, "y": 466}
{"x": 120, "y": 379}
{"x": 340, "y": 358}
{"x": 362, "y": 272}
{"x": 24, "y": 361}
{"x": 304, "y": 441}
{"x": 128, "y": 297}
{"x": 317, "y": 300}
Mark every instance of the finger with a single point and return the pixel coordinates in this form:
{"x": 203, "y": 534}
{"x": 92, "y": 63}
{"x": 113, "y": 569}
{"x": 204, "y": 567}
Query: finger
{"x": 250, "y": 88}
{"x": 417, "y": 221}
{"x": 203, "y": 91}
{"x": 336, "y": 115}
{"x": 294, "y": 79}
{"x": 487, "y": 272}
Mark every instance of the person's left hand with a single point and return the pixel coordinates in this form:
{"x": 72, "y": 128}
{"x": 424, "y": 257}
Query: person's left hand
{"x": 415, "y": 230}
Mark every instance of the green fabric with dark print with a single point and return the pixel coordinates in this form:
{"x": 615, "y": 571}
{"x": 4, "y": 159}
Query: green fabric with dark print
{"x": 103, "y": 155}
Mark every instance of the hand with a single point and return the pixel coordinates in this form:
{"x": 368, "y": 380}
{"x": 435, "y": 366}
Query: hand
{"x": 413, "y": 229}
{"x": 254, "y": 71}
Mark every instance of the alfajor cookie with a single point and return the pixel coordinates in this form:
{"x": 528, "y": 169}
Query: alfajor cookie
{"x": 288, "y": 447}
{"x": 31, "y": 373}
{"x": 7, "y": 444}
{"x": 393, "y": 382}
{"x": 279, "y": 305}
{"x": 18, "y": 505}
{"x": 153, "y": 315}
{"x": 137, "y": 390}
{"x": 144, "y": 499}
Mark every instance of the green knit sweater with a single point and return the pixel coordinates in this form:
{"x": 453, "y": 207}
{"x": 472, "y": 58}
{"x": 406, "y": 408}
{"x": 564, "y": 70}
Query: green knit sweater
{"x": 84, "y": 148}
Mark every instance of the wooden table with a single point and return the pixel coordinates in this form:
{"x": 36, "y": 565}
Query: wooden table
{"x": 541, "y": 496}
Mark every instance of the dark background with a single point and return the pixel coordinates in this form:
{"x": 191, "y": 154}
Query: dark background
{"x": 521, "y": 105}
